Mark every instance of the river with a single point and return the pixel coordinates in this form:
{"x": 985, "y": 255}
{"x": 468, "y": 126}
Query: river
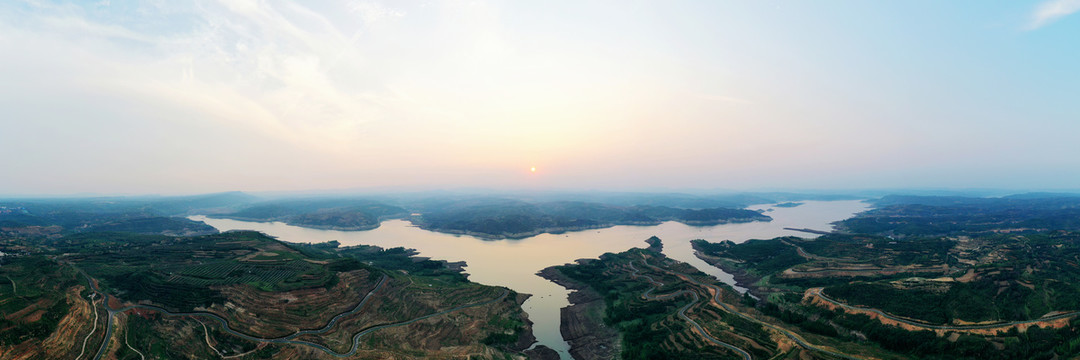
{"x": 514, "y": 263}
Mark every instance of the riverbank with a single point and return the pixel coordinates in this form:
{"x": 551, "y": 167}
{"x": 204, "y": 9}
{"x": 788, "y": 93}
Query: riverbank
{"x": 582, "y": 323}
{"x": 515, "y": 263}
{"x": 742, "y": 277}
{"x": 527, "y": 338}
{"x": 490, "y": 236}
{"x": 562, "y": 230}
{"x": 303, "y": 224}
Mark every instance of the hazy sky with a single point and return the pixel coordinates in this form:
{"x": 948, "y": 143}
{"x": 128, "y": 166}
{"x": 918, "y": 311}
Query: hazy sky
{"x": 183, "y": 97}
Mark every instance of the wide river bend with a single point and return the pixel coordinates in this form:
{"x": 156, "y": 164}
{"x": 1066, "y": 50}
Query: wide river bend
{"x": 514, "y": 263}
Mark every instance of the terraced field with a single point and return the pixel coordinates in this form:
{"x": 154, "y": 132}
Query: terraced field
{"x": 245, "y": 295}
{"x": 667, "y": 309}
{"x": 37, "y": 301}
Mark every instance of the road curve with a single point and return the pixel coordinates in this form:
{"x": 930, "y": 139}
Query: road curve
{"x": 716, "y": 299}
{"x": 92, "y": 330}
{"x": 108, "y": 330}
{"x": 682, "y": 311}
{"x": 225, "y": 324}
{"x": 817, "y": 292}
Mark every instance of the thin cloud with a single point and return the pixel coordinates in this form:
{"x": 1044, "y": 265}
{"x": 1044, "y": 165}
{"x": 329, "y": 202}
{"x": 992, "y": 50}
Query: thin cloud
{"x": 1051, "y": 11}
{"x": 724, "y": 98}
{"x": 81, "y": 27}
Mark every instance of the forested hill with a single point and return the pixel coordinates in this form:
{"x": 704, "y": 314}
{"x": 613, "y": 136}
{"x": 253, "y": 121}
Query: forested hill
{"x": 928, "y": 277}
{"x": 135, "y": 215}
{"x": 517, "y": 219}
{"x": 325, "y": 213}
{"x": 930, "y": 215}
{"x": 482, "y": 216}
{"x": 489, "y": 215}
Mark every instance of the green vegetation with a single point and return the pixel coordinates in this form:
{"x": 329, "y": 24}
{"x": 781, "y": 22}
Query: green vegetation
{"x": 998, "y": 292}
{"x": 512, "y": 215}
{"x": 760, "y": 257}
{"x": 1035, "y": 343}
{"x": 634, "y": 317}
{"x": 144, "y": 215}
{"x": 261, "y": 286}
{"x": 401, "y": 259}
{"x": 180, "y": 272}
{"x": 931, "y": 259}
{"x": 511, "y": 330}
{"x": 902, "y": 216}
{"x": 651, "y": 329}
{"x": 331, "y": 213}
{"x": 32, "y": 298}
{"x": 154, "y": 225}
{"x": 514, "y": 219}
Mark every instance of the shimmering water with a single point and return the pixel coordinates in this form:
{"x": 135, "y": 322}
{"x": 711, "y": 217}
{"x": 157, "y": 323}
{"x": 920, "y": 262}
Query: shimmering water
{"x": 514, "y": 263}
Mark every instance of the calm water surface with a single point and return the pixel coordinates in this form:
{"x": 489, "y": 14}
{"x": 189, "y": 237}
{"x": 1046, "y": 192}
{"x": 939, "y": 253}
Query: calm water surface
{"x": 514, "y": 263}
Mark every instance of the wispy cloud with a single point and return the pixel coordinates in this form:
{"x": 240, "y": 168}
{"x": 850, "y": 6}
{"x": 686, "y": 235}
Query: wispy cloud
{"x": 280, "y": 94}
{"x": 1051, "y": 11}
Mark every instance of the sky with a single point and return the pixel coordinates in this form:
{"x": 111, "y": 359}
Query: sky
{"x": 165, "y": 97}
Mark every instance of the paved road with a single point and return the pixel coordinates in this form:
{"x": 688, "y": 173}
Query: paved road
{"x": 803, "y": 253}
{"x": 682, "y": 311}
{"x": 809, "y": 256}
{"x": 285, "y": 339}
{"x": 817, "y": 292}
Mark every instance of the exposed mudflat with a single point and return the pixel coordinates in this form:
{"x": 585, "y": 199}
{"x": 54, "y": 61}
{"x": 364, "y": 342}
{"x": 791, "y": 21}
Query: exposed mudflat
{"x": 582, "y": 322}
{"x": 742, "y": 277}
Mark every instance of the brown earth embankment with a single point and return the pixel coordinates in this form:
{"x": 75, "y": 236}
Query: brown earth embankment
{"x": 582, "y": 322}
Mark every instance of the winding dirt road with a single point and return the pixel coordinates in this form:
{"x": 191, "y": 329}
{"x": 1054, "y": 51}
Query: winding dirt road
{"x": 817, "y": 293}
{"x": 716, "y": 291}
{"x": 682, "y": 311}
{"x": 285, "y": 339}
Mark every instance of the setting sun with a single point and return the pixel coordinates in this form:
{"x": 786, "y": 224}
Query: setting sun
{"x": 533, "y": 169}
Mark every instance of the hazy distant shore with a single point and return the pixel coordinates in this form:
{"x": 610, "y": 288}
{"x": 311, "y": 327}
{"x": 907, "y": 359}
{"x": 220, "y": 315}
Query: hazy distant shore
{"x": 490, "y": 236}
{"x": 561, "y": 230}
{"x": 300, "y": 224}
